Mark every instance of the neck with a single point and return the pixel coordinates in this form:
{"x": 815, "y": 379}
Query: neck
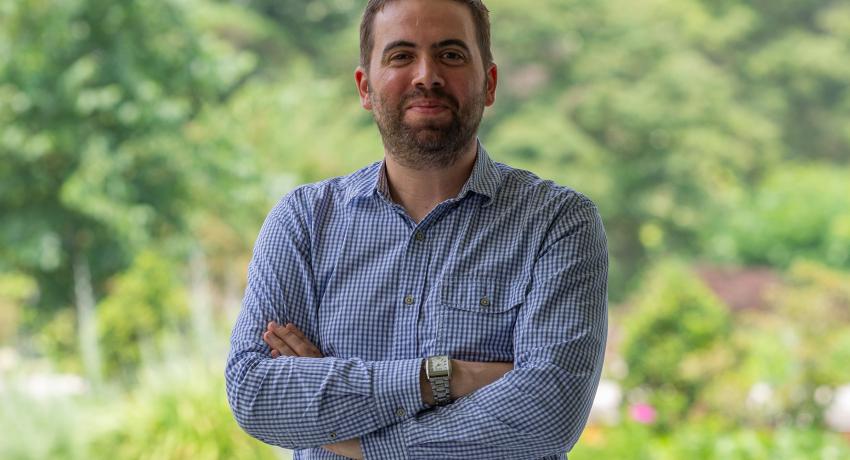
{"x": 420, "y": 190}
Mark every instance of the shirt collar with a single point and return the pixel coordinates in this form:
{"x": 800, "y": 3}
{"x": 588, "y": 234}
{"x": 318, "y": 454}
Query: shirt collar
{"x": 484, "y": 180}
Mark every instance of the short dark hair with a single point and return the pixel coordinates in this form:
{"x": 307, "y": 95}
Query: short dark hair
{"x": 480, "y": 17}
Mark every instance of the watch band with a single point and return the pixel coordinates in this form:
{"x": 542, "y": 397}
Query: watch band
{"x": 440, "y": 389}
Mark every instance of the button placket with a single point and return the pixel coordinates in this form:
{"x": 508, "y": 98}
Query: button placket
{"x": 412, "y": 290}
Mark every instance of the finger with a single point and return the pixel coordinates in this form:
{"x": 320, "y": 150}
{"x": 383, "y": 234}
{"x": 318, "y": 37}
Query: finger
{"x": 301, "y": 345}
{"x": 275, "y": 353}
{"x": 277, "y": 344}
{"x": 295, "y": 330}
{"x": 312, "y": 348}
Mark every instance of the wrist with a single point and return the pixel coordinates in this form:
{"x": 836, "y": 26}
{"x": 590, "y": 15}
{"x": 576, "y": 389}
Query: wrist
{"x": 457, "y": 386}
{"x": 425, "y": 386}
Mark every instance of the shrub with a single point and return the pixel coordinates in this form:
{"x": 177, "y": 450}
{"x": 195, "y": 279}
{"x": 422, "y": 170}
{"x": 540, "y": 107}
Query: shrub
{"x": 674, "y": 339}
{"x": 144, "y": 302}
{"x": 178, "y": 411}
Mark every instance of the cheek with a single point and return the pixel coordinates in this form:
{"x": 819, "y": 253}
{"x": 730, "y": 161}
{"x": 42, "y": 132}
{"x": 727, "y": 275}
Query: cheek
{"x": 393, "y": 88}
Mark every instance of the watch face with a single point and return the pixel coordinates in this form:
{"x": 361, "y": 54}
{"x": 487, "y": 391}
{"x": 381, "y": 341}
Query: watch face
{"x": 438, "y": 366}
{"x": 441, "y": 364}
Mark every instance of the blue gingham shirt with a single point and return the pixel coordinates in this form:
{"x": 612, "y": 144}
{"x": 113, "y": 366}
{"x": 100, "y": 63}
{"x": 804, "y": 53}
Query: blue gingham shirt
{"x": 512, "y": 269}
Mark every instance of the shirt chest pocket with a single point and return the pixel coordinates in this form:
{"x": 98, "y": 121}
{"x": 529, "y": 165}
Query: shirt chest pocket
{"x": 477, "y": 319}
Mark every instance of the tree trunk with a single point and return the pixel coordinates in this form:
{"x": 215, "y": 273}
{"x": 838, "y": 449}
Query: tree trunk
{"x": 200, "y": 304}
{"x": 86, "y": 321}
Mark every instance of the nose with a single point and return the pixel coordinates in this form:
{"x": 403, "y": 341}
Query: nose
{"x": 428, "y": 75}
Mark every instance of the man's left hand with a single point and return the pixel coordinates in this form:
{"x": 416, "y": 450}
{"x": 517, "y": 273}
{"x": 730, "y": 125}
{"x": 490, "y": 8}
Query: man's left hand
{"x": 288, "y": 340}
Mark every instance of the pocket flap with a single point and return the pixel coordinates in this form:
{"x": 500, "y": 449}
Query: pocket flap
{"x": 480, "y": 295}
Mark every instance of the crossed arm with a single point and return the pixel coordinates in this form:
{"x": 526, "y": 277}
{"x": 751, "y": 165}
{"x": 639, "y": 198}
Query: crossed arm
{"x": 537, "y": 409}
{"x": 467, "y": 376}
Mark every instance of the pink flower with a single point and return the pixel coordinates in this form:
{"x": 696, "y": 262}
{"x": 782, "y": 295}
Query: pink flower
{"x": 643, "y": 413}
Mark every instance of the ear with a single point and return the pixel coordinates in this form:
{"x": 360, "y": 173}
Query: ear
{"x": 492, "y": 78}
{"x": 362, "y": 80}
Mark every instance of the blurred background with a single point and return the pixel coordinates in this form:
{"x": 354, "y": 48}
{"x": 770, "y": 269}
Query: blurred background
{"x": 143, "y": 142}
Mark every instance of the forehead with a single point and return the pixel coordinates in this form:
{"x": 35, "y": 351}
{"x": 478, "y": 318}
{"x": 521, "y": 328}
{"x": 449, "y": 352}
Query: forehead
{"x": 423, "y": 22}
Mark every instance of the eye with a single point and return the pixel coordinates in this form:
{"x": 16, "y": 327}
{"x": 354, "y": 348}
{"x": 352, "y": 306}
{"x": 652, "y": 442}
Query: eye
{"x": 453, "y": 56}
{"x": 399, "y": 58}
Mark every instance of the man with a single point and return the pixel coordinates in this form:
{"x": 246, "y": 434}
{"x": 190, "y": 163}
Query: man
{"x": 433, "y": 305}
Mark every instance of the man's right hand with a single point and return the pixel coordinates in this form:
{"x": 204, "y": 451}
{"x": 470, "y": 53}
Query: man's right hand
{"x": 467, "y": 377}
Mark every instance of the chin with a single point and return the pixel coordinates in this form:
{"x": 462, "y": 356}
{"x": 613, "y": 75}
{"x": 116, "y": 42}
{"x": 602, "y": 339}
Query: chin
{"x": 428, "y": 126}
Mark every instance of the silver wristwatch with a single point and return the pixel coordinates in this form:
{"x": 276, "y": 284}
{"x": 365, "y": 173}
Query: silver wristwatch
{"x": 438, "y": 369}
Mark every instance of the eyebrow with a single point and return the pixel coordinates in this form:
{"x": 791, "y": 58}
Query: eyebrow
{"x": 406, "y": 44}
{"x": 452, "y": 42}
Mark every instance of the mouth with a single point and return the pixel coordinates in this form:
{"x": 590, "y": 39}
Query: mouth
{"x": 427, "y": 107}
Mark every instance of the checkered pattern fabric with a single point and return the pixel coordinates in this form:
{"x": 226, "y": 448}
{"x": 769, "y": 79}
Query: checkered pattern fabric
{"x": 512, "y": 269}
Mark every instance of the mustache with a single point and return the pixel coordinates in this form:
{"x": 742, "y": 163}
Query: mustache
{"x": 436, "y": 94}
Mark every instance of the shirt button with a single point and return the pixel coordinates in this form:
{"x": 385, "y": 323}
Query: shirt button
{"x": 419, "y": 236}
{"x": 400, "y": 412}
{"x": 485, "y": 302}
{"x": 332, "y": 435}
{"x": 408, "y": 300}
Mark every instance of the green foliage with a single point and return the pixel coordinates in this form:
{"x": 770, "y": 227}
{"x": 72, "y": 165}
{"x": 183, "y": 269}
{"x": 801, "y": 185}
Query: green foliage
{"x": 179, "y": 411}
{"x": 799, "y": 211}
{"x": 93, "y": 97}
{"x": 709, "y": 441}
{"x": 665, "y": 110}
{"x": 757, "y": 391}
{"x": 815, "y": 303}
{"x": 813, "y": 324}
{"x": 311, "y": 26}
{"x": 789, "y": 355}
{"x": 57, "y": 340}
{"x": 144, "y": 303}
{"x": 673, "y": 339}
{"x": 15, "y": 290}
{"x": 40, "y": 430}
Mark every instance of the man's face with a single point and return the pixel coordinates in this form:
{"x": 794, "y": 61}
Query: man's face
{"x": 426, "y": 86}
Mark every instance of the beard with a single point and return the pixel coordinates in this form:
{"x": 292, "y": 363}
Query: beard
{"x": 429, "y": 144}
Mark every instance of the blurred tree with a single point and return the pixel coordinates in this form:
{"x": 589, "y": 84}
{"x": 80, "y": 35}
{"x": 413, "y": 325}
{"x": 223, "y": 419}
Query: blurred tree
{"x": 798, "y": 211}
{"x": 314, "y": 29}
{"x": 620, "y": 101}
{"x": 797, "y": 60}
{"x": 93, "y": 98}
{"x": 666, "y": 112}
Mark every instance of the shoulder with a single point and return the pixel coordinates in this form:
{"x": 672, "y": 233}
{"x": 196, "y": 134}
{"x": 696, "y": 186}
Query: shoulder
{"x": 307, "y": 201}
{"x": 565, "y": 221}
{"x": 542, "y": 197}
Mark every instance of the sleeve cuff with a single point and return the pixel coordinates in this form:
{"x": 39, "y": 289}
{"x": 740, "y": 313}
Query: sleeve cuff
{"x": 385, "y": 443}
{"x": 395, "y": 389}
